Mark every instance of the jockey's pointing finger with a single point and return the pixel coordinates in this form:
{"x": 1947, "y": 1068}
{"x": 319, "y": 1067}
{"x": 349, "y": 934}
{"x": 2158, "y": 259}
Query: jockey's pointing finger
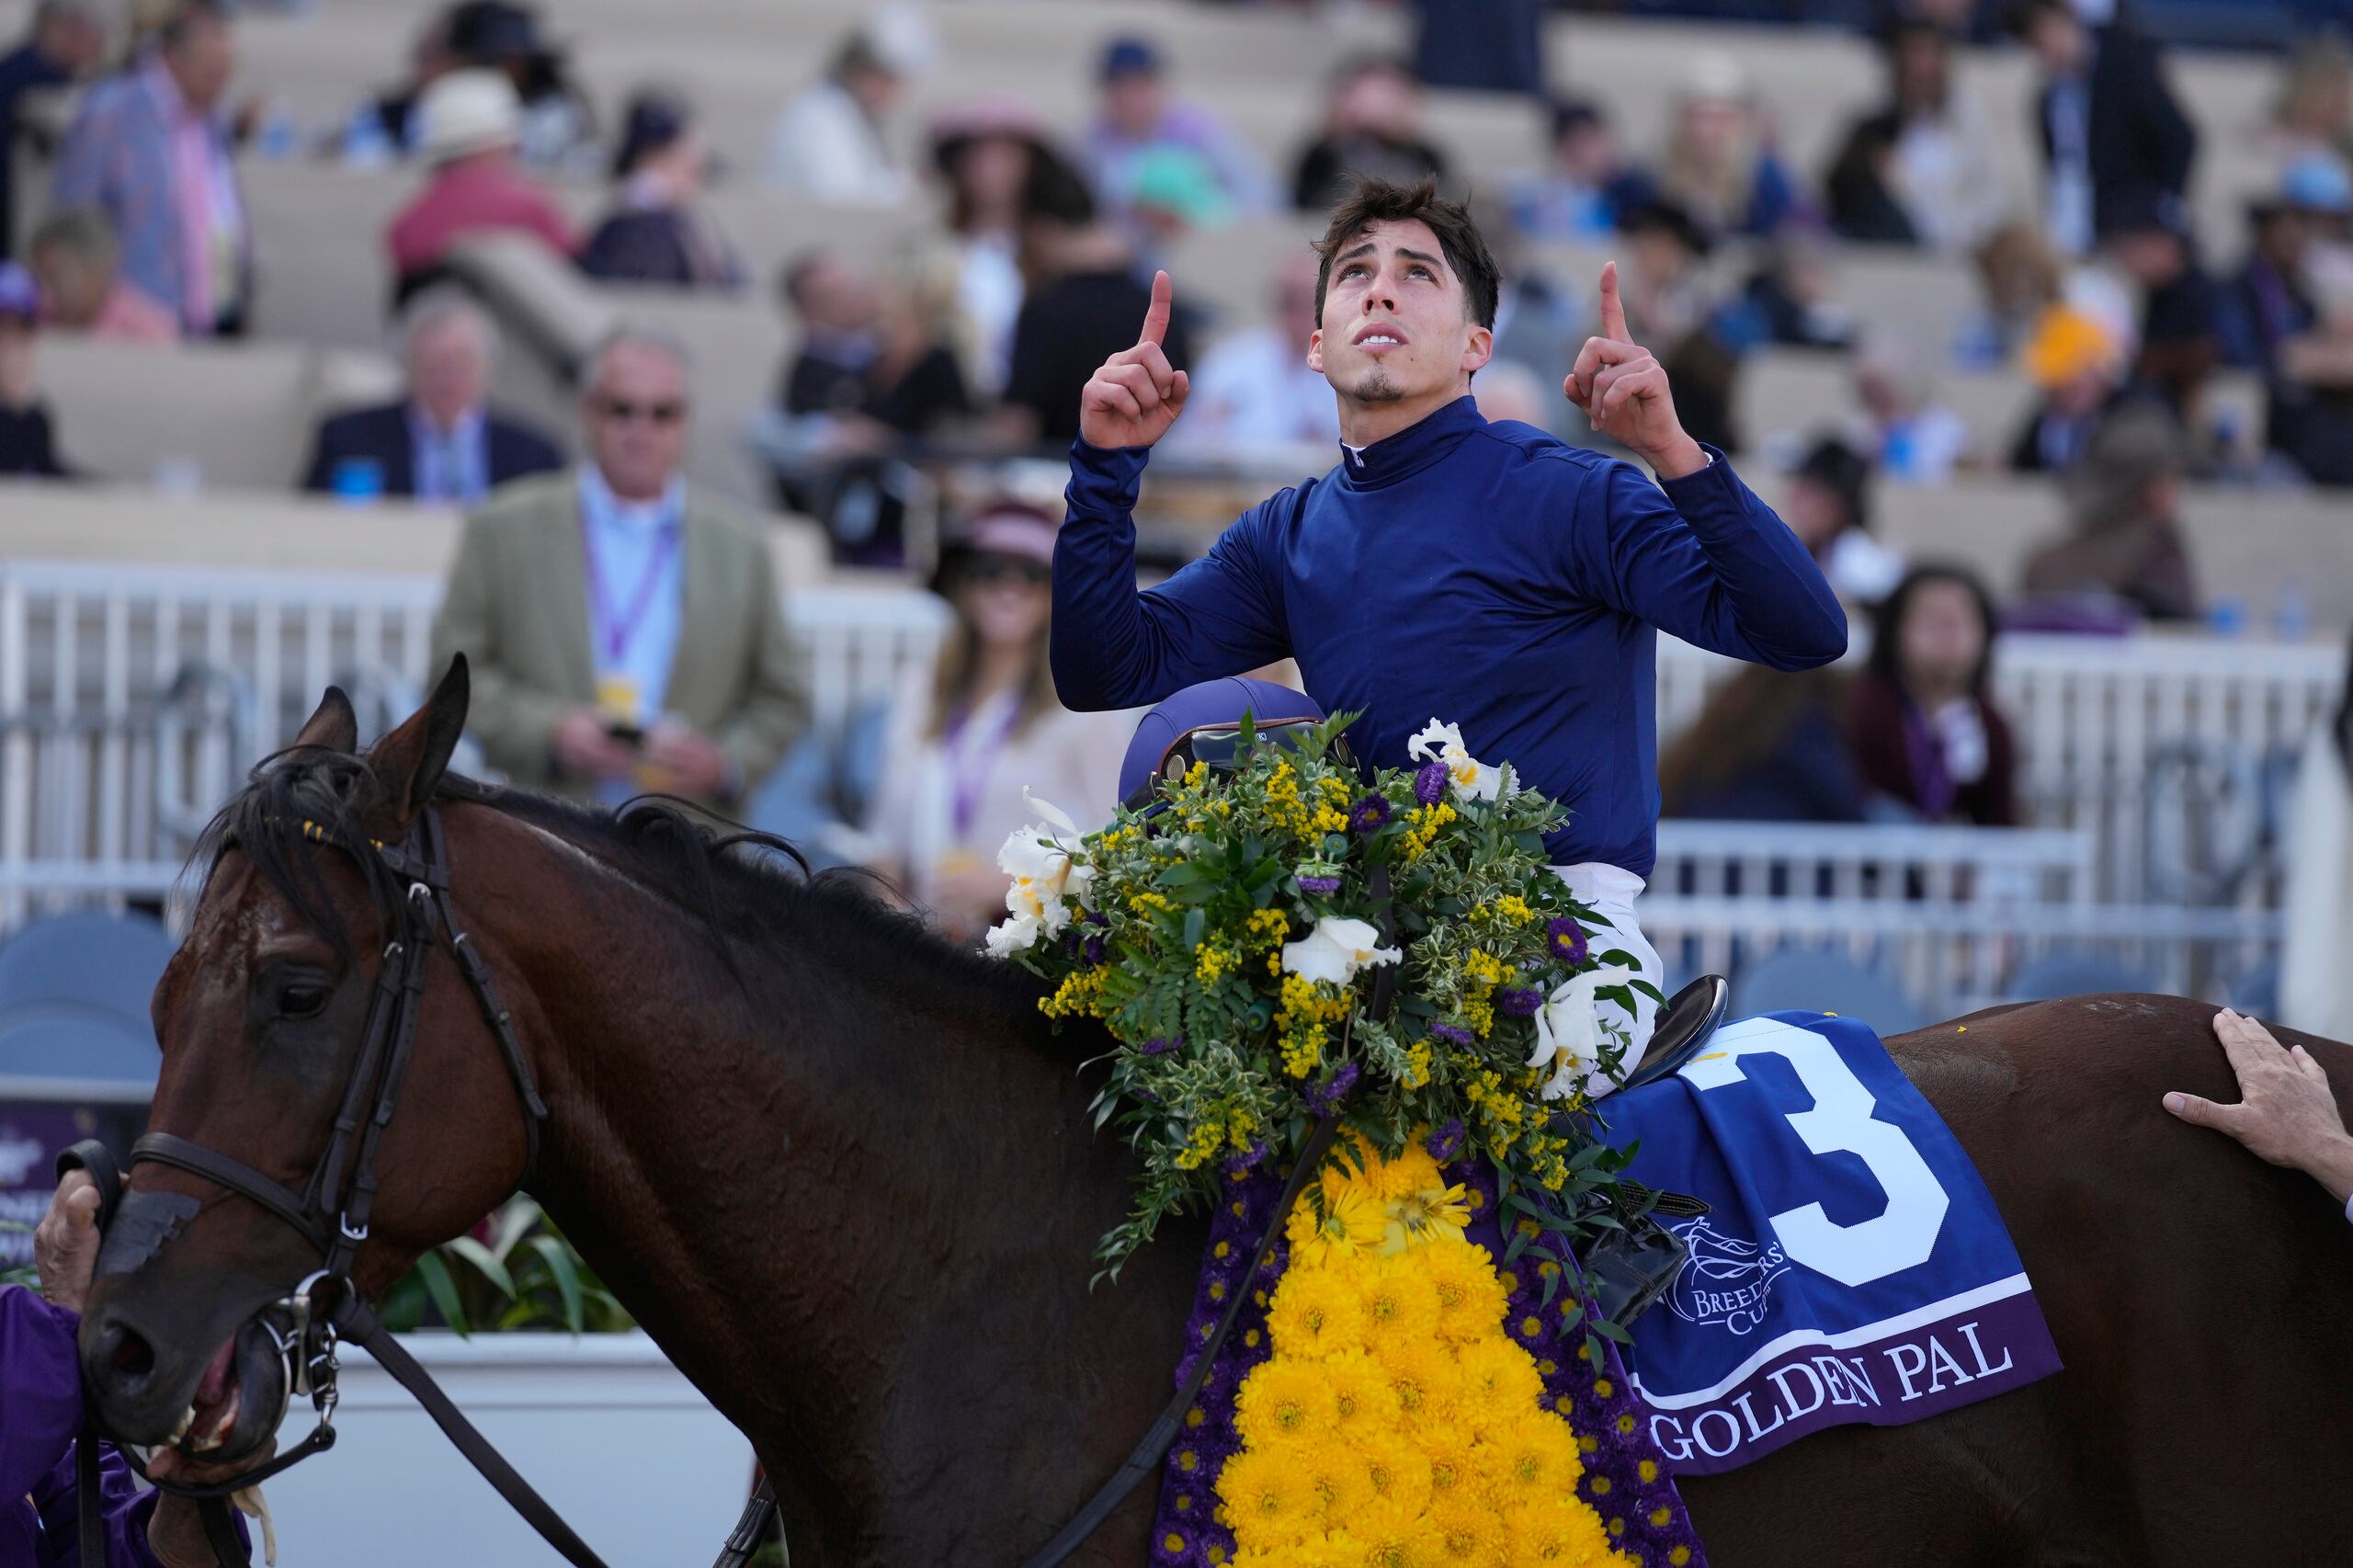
{"x": 1613, "y": 313}
{"x": 1153, "y": 359}
{"x": 1155, "y": 316}
{"x": 1597, "y": 353}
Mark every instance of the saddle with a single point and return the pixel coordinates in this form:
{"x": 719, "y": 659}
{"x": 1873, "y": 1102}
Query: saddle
{"x": 1630, "y": 1266}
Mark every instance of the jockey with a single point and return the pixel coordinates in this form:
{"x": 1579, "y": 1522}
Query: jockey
{"x": 1486, "y": 574}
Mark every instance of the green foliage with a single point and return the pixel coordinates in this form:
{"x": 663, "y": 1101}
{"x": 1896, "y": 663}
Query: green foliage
{"x": 23, "y": 1273}
{"x": 1194, "y": 935}
{"x": 522, "y": 1274}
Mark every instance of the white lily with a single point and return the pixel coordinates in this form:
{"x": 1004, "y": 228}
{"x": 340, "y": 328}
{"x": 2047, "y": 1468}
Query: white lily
{"x": 1569, "y": 1035}
{"x": 1040, "y": 861}
{"x": 1473, "y": 779}
{"x": 1335, "y": 949}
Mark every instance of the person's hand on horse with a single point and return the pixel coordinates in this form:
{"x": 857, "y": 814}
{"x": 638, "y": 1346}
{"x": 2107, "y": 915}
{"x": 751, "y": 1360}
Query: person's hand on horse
{"x": 2286, "y": 1114}
{"x": 692, "y": 763}
{"x": 65, "y": 1243}
{"x": 585, "y": 745}
{"x": 1623, "y": 392}
{"x": 1137, "y": 395}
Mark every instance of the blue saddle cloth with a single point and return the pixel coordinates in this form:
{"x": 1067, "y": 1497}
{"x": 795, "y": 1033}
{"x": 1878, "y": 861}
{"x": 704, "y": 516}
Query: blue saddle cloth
{"x": 1852, "y": 1267}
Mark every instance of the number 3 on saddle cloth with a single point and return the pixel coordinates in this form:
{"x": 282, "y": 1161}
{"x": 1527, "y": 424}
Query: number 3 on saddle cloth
{"x": 1845, "y": 1262}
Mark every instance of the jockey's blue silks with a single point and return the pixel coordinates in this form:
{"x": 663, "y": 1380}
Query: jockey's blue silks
{"x": 1486, "y": 574}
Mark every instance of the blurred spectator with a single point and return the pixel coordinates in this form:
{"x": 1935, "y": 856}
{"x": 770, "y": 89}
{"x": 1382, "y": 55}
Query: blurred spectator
{"x": 1137, "y": 125}
{"x": 1485, "y": 46}
{"x": 2019, "y": 278}
{"x": 1001, "y": 171}
{"x": 2274, "y": 317}
{"x": 557, "y": 129}
{"x": 2315, "y": 982}
{"x": 1860, "y": 188}
{"x": 1790, "y": 300}
{"x": 27, "y": 450}
{"x": 2111, "y": 130}
{"x": 1586, "y": 188}
{"x": 386, "y": 128}
{"x": 1540, "y": 325}
{"x": 151, "y": 150}
{"x": 1254, "y": 389}
{"x": 1922, "y": 718}
{"x": 2268, "y": 300}
{"x": 1089, "y": 305}
{"x": 1767, "y": 746}
{"x": 655, "y": 234}
{"x": 1938, "y": 172}
{"x": 2179, "y": 337}
{"x": 874, "y": 370}
{"x": 1661, "y": 286}
{"x": 1918, "y": 440}
{"x": 471, "y": 122}
{"x": 74, "y": 257}
{"x": 1507, "y": 390}
{"x": 442, "y": 442}
{"x": 2126, "y": 541}
{"x": 1719, "y": 167}
{"x": 1372, "y": 125}
{"x": 2080, "y": 368}
{"x": 970, "y": 736}
{"x": 2312, "y": 115}
{"x": 625, "y": 632}
{"x": 833, "y": 143}
{"x": 1827, "y": 506}
{"x": 66, "y": 41}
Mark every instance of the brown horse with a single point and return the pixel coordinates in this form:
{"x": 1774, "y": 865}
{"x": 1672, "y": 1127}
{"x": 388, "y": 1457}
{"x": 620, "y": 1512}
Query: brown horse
{"x": 841, "y": 1172}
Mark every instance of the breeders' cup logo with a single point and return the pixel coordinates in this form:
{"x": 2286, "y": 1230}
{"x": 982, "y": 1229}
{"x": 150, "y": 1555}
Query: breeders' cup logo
{"x": 1725, "y": 1280}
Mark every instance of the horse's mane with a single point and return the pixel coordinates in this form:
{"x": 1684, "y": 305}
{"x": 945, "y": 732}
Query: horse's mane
{"x": 752, "y": 894}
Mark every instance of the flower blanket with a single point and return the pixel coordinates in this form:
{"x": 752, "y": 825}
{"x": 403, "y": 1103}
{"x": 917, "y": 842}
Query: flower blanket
{"x": 1390, "y": 1396}
{"x": 1852, "y": 1267}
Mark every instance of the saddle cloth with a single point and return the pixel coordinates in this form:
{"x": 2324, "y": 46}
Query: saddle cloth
{"x": 1852, "y": 1267}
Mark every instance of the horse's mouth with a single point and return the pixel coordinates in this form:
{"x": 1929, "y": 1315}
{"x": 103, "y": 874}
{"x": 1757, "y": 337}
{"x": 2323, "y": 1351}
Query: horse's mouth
{"x": 234, "y": 1409}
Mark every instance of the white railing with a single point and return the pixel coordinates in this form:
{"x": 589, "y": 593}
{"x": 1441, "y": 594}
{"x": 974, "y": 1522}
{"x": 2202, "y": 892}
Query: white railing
{"x": 1949, "y": 916}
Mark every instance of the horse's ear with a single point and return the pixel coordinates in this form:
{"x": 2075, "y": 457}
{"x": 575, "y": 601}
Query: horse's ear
{"x": 334, "y": 727}
{"x": 411, "y": 760}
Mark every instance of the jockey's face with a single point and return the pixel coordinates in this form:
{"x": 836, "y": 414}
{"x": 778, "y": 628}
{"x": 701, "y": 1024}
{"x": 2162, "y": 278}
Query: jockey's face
{"x": 1396, "y": 327}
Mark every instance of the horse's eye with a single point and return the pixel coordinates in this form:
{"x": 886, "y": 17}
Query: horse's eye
{"x": 300, "y": 998}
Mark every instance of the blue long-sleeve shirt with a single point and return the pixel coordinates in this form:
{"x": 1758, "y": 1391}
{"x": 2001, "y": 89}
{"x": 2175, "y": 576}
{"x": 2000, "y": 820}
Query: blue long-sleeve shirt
{"x": 1483, "y": 574}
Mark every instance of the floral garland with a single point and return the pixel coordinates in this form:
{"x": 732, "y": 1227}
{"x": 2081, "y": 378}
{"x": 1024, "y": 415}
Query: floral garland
{"x": 1225, "y": 939}
{"x": 1394, "y": 1399}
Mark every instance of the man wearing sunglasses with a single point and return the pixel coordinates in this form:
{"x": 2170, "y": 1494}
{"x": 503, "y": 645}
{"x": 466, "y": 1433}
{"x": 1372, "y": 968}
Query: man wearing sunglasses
{"x": 625, "y": 633}
{"x": 1449, "y": 568}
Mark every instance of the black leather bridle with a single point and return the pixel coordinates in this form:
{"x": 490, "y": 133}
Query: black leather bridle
{"x": 333, "y": 1211}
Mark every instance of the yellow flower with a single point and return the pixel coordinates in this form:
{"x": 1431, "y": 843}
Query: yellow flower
{"x": 1352, "y": 1222}
{"x": 1359, "y": 1391}
{"x": 1268, "y": 1501}
{"x": 1427, "y": 1214}
{"x": 1410, "y": 1171}
{"x": 1315, "y": 1313}
{"x": 1400, "y": 1307}
{"x": 1399, "y": 1475}
{"x": 1464, "y": 1533}
{"x": 1470, "y": 1300}
{"x": 1285, "y": 1398}
{"x": 1499, "y": 1380}
{"x": 1556, "y": 1531}
{"x": 1533, "y": 1457}
{"x": 1452, "y": 1473}
{"x": 1329, "y": 1471}
{"x": 1422, "y": 1384}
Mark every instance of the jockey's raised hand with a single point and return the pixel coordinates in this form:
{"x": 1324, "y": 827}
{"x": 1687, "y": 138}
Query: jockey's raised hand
{"x": 1137, "y": 395}
{"x": 1623, "y": 392}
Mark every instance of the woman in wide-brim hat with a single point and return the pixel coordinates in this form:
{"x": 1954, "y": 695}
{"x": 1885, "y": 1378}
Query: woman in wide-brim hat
{"x": 968, "y": 737}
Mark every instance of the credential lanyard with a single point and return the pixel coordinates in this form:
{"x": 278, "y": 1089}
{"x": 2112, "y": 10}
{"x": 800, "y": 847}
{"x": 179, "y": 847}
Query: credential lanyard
{"x": 968, "y": 771}
{"x": 614, "y": 633}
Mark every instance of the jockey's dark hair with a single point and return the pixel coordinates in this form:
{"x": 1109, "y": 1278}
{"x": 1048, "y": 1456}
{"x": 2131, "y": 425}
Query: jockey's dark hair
{"x": 1887, "y": 621}
{"x": 1371, "y": 200}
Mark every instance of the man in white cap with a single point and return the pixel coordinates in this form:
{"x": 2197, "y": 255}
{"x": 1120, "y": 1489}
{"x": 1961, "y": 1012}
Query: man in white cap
{"x": 471, "y": 123}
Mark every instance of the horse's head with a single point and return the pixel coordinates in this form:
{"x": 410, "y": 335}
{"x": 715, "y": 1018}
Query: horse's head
{"x": 261, "y": 1016}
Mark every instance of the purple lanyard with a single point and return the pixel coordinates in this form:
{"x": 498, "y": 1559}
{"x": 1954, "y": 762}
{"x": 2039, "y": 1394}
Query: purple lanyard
{"x": 617, "y": 632}
{"x": 964, "y": 789}
{"x": 1933, "y": 786}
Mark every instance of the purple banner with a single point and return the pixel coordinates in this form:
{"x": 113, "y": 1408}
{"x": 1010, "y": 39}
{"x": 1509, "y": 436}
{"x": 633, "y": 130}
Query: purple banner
{"x": 31, "y": 1136}
{"x": 1953, "y": 1353}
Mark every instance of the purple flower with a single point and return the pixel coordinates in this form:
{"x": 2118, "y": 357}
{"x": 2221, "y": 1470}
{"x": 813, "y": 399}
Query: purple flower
{"x": 1240, "y": 1165}
{"x": 1564, "y": 939}
{"x": 1326, "y": 1095}
{"x": 1520, "y": 1001}
{"x": 1156, "y": 1046}
{"x": 1430, "y": 784}
{"x": 1322, "y": 886}
{"x": 1369, "y": 814}
{"x": 1453, "y": 1034}
{"x": 1447, "y": 1141}
{"x": 1091, "y": 951}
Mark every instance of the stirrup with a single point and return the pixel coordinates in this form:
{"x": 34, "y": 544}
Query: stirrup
{"x": 1684, "y": 1025}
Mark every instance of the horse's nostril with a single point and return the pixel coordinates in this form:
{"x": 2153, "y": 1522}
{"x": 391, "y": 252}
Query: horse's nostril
{"x": 132, "y": 1354}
